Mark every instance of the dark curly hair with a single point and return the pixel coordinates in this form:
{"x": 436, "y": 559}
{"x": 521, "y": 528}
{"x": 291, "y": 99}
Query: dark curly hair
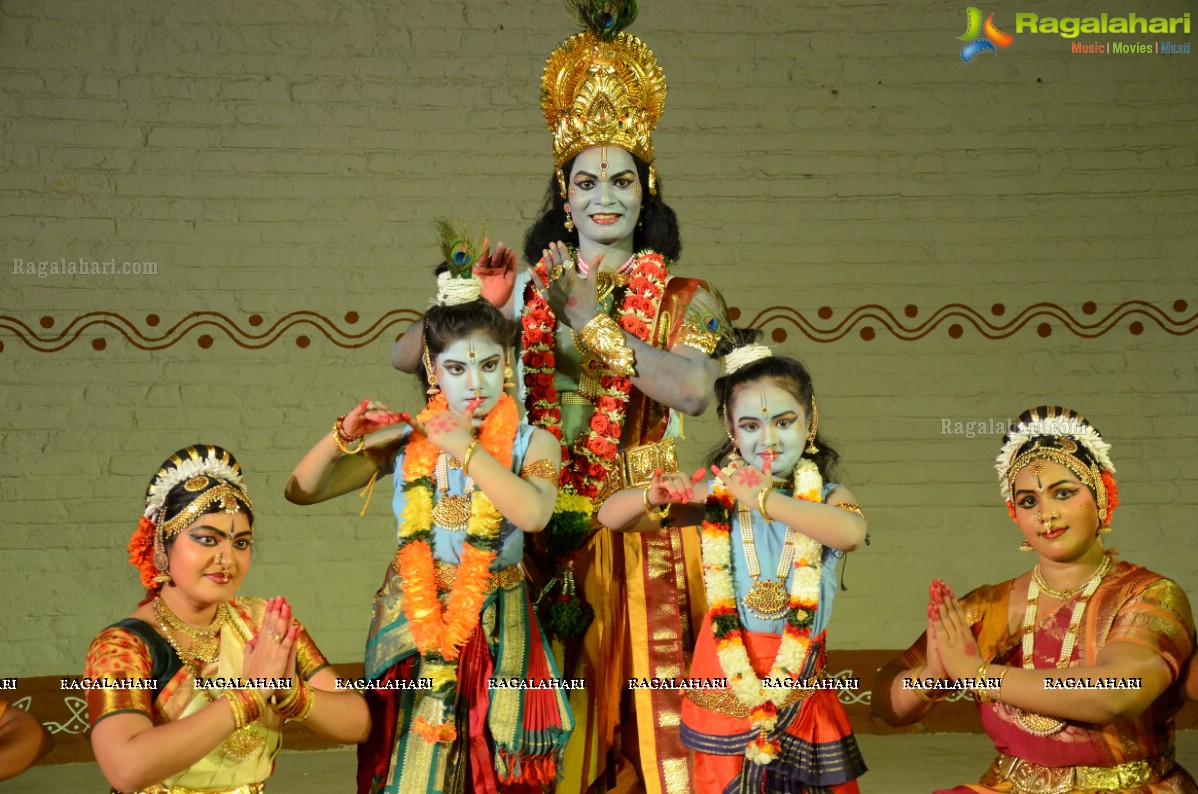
{"x": 789, "y": 373}
{"x": 656, "y": 229}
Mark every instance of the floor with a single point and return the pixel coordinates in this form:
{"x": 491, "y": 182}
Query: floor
{"x": 899, "y": 764}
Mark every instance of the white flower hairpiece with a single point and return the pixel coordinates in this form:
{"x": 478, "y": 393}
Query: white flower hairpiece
{"x": 454, "y": 291}
{"x": 742, "y": 357}
{"x": 192, "y": 467}
{"x": 1053, "y": 425}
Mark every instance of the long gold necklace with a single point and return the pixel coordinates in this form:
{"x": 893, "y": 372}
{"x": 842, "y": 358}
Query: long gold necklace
{"x": 1040, "y": 724}
{"x": 244, "y": 741}
{"x": 768, "y": 599}
{"x": 205, "y": 643}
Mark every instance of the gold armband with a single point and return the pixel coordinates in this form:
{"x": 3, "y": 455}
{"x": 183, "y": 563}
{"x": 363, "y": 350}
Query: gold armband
{"x": 541, "y": 469}
{"x": 851, "y": 508}
{"x": 693, "y": 335}
{"x": 605, "y": 339}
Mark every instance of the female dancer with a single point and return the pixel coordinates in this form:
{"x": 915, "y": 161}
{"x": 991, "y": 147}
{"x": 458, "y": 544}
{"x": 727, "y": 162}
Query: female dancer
{"x": 770, "y": 580}
{"x": 1076, "y": 664}
{"x": 156, "y": 729}
{"x": 453, "y": 611}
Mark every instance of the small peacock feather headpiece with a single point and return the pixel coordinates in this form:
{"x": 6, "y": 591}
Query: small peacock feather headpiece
{"x": 458, "y": 284}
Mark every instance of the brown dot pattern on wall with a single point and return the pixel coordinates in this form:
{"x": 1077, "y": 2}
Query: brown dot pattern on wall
{"x": 779, "y": 322}
{"x": 99, "y": 344}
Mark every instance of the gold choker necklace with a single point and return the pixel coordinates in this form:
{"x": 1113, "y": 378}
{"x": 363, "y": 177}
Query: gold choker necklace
{"x": 205, "y": 643}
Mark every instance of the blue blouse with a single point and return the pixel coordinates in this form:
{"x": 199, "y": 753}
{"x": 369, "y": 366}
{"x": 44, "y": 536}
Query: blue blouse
{"x": 447, "y": 543}
{"x": 769, "y": 538}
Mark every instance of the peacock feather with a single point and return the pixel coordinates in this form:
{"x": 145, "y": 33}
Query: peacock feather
{"x": 459, "y": 251}
{"x": 603, "y": 18}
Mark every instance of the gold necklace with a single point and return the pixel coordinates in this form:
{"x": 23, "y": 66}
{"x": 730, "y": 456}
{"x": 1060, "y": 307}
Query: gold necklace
{"x": 451, "y": 512}
{"x": 205, "y": 643}
{"x": 1060, "y": 595}
{"x": 769, "y": 599}
{"x": 1040, "y": 724}
{"x": 244, "y": 741}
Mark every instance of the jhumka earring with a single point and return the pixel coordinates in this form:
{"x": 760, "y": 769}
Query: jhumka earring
{"x": 812, "y": 449}
{"x": 508, "y": 376}
{"x": 1026, "y": 546}
{"x": 161, "y": 562}
{"x": 569, "y": 224}
{"x": 433, "y": 388}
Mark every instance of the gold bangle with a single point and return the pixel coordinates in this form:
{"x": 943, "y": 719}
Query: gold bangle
{"x": 605, "y": 339}
{"x": 980, "y": 688}
{"x": 761, "y": 495}
{"x": 296, "y": 705}
{"x": 343, "y": 441}
{"x": 660, "y": 514}
{"x": 1001, "y": 676}
{"x": 470, "y": 450}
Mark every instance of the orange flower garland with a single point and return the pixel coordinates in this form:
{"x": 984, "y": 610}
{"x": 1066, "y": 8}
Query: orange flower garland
{"x": 440, "y": 633}
{"x": 586, "y": 465}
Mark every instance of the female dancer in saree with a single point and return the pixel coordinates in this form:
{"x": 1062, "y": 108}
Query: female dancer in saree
{"x": 615, "y": 349}
{"x": 770, "y": 581}
{"x": 1076, "y": 664}
{"x": 453, "y": 610}
{"x": 166, "y": 735}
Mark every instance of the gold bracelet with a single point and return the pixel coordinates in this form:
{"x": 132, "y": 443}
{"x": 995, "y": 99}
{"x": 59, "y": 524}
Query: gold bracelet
{"x": 922, "y": 693}
{"x": 980, "y": 687}
{"x": 297, "y": 703}
{"x": 470, "y": 450}
{"x": 605, "y": 339}
{"x": 1001, "y": 676}
{"x": 660, "y": 514}
{"x": 761, "y": 495}
{"x": 343, "y": 441}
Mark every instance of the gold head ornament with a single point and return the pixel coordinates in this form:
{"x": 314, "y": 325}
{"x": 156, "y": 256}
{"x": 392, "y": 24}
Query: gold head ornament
{"x": 603, "y": 87}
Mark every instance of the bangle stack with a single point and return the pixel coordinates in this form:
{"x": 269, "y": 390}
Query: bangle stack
{"x": 922, "y": 693}
{"x": 247, "y": 706}
{"x": 296, "y": 705}
{"x": 343, "y": 441}
{"x": 659, "y": 514}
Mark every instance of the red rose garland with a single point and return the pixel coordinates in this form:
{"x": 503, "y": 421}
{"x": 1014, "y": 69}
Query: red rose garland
{"x": 586, "y": 466}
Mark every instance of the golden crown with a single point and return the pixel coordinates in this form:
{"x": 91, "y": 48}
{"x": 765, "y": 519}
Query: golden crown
{"x": 602, "y": 87}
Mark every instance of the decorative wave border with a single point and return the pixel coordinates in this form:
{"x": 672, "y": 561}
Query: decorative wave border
{"x": 868, "y": 322}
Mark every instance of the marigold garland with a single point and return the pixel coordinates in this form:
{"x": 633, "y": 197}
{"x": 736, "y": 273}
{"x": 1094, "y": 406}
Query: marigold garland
{"x": 587, "y": 463}
{"x": 441, "y": 632}
{"x": 791, "y": 657}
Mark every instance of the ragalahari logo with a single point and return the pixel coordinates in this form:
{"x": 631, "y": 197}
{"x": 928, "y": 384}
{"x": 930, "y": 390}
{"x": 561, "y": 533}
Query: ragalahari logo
{"x": 990, "y": 37}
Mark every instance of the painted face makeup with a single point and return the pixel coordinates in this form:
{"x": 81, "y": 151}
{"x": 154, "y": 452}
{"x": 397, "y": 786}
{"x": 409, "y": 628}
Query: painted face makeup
{"x": 210, "y": 558}
{"x": 768, "y": 424}
{"x": 1055, "y": 511}
{"x": 605, "y": 196}
{"x": 471, "y": 370}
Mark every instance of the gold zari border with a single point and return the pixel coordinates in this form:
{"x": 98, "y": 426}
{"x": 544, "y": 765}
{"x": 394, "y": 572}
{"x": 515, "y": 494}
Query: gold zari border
{"x": 1026, "y": 777}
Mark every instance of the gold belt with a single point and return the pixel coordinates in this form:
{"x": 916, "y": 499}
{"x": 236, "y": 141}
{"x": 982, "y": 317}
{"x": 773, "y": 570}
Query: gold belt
{"x": 722, "y": 701}
{"x": 248, "y": 788}
{"x": 1028, "y": 778}
{"x": 447, "y": 574}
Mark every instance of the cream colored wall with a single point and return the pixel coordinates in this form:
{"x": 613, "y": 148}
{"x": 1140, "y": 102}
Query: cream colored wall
{"x": 281, "y": 158}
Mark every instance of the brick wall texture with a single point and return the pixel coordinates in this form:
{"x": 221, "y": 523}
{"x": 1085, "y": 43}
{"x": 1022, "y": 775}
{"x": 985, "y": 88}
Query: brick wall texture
{"x": 938, "y": 240}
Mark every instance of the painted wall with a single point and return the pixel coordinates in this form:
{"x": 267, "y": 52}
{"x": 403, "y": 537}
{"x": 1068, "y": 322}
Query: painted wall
{"x": 940, "y": 241}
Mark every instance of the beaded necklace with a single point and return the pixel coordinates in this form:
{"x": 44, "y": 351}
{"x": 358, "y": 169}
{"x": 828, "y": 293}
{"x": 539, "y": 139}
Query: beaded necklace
{"x": 1040, "y": 724}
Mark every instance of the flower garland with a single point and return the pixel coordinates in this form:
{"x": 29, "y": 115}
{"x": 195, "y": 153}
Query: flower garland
{"x": 586, "y": 465}
{"x": 725, "y": 620}
{"x": 440, "y": 633}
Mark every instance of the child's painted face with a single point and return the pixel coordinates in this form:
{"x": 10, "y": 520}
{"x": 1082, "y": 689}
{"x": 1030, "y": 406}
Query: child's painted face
{"x": 470, "y": 371}
{"x": 768, "y": 423}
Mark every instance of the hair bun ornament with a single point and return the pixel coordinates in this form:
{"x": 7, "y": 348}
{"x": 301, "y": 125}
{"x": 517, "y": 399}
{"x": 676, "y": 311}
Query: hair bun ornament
{"x": 1061, "y": 428}
{"x": 458, "y": 284}
{"x": 741, "y": 357}
{"x": 188, "y": 464}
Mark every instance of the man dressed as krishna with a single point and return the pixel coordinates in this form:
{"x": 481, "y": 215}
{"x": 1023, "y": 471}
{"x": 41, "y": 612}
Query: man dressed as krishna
{"x": 614, "y": 349}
